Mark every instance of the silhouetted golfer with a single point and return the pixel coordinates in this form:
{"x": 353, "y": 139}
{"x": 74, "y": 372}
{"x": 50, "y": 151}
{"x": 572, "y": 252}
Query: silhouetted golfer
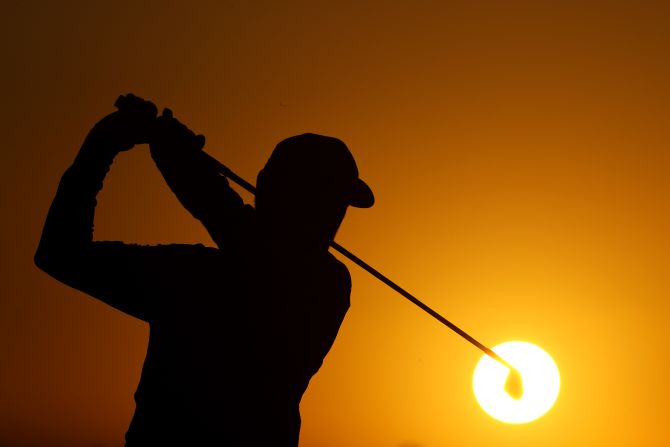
{"x": 236, "y": 332}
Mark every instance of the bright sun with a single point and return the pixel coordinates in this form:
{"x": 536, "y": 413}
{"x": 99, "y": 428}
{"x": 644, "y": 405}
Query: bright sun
{"x": 541, "y": 383}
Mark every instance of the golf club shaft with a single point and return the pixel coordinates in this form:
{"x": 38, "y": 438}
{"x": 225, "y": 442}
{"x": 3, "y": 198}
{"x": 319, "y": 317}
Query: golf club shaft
{"x": 224, "y": 170}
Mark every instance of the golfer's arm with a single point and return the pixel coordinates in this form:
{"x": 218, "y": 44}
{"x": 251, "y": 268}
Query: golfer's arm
{"x": 106, "y": 270}
{"x": 204, "y": 192}
{"x": 326, "y": 322}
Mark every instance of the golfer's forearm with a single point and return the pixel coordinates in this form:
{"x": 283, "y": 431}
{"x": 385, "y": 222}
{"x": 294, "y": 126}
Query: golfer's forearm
{"x": 68, "y": 230}
{"x": 200, "y": 188}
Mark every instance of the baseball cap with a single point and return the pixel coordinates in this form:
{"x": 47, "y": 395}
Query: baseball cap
{"x": 326, "y": 162}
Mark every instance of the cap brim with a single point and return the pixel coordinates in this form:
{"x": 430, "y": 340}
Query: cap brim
{"x": 361, "y": 195}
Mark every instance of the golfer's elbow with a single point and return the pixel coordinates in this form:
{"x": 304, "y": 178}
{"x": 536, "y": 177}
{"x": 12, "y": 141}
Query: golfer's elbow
{"x": 46, "y": 259}
{"x": 53, "y": 259}
{"x": 40, "y": 259}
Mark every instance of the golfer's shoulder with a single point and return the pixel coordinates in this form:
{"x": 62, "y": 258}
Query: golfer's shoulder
{"x": 341, "y": 278}
{"x": 181, "y": 255}
{"x": 184, "y": 250}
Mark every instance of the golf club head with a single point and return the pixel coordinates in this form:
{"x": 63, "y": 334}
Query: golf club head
{"x": 514, "y": 384}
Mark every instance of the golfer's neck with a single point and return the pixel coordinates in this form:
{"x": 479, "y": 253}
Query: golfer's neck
{"x": 298, "y": 245}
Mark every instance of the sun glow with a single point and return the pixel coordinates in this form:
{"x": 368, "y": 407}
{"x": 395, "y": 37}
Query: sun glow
{"x": 541, "y": 383}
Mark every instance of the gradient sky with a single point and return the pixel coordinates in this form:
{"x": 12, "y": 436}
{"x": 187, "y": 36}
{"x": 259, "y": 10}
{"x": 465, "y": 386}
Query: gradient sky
{"x": 518, "y": 152}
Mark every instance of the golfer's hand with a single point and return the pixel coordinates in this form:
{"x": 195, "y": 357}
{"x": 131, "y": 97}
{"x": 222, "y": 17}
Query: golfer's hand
{"x": 170, "y": 137}
{"x": 131, "y": 124}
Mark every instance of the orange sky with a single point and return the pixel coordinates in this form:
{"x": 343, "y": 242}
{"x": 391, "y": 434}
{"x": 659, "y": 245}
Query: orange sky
{"x": 518, "y": 152}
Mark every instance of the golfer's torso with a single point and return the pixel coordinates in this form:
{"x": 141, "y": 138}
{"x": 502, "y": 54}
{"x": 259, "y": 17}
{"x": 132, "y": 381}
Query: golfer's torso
{"x": 233, "y": 346}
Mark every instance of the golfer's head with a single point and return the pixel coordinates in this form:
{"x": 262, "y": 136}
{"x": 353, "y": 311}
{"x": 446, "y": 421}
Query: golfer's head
{"x": 307, "y": 185}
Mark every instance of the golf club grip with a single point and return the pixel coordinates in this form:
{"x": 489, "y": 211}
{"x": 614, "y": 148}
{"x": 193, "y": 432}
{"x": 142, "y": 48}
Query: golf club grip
{"x": 225, "y": 171}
